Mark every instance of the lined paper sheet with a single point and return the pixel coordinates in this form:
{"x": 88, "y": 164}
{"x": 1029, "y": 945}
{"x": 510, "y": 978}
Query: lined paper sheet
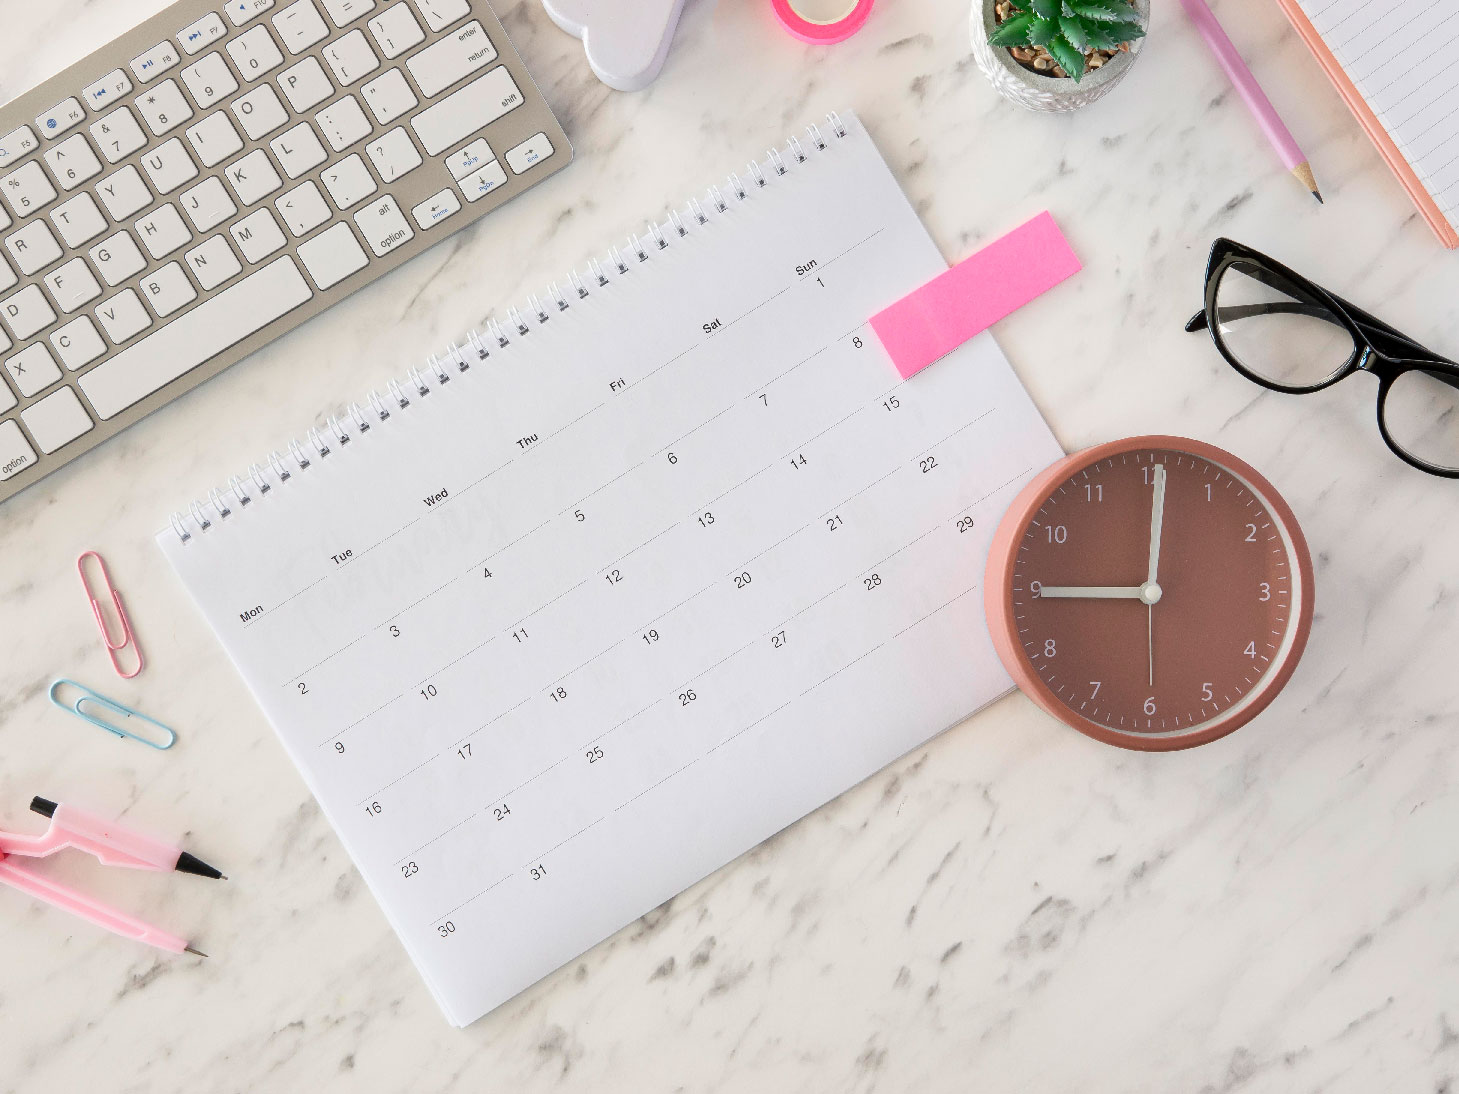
{"x": 682, "y": 564}
{"x": 1403, "y": 57}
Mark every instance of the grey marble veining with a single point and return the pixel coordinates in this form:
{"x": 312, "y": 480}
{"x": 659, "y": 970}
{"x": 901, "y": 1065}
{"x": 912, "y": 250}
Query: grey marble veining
{"x": 1012, "y": 907}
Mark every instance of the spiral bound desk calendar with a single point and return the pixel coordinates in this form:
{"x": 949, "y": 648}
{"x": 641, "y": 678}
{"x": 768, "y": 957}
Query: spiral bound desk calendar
{"x": 279, "y": 468}
{"x": 554, "y": 643}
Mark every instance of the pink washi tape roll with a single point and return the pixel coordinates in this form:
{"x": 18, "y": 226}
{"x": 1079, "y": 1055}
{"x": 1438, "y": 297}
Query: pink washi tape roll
{"x": 822, "y": 32}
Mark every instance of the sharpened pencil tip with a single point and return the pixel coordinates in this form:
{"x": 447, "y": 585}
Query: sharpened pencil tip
{"x": 189, "y": 949}
{"x": 1318, "y": 195}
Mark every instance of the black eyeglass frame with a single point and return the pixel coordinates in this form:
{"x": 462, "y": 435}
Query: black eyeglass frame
{"x": 1377, "y": 348}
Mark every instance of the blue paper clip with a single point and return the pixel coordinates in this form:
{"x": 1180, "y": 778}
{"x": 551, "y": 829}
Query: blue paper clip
{"x": 89, "y": 696}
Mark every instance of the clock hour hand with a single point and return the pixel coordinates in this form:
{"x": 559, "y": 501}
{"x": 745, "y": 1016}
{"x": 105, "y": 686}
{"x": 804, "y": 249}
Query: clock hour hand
{"x": 1092, "y": 592}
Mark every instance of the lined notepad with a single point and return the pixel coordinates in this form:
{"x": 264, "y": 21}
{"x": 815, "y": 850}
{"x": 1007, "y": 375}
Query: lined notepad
{"x": 1396, "y": 62}
{"x": 676, "y": 559}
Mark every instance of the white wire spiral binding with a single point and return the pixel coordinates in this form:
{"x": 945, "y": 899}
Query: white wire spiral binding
{"x": 359, "y": 418}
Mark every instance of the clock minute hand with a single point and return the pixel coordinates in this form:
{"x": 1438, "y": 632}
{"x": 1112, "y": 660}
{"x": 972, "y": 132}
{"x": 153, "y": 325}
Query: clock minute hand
{"x": 1092, "y": 592}
{"x": 1157, "y": 519}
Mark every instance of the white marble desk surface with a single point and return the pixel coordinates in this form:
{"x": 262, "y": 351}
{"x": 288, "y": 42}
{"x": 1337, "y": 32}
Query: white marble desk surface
{"x": 1012, "y": 907}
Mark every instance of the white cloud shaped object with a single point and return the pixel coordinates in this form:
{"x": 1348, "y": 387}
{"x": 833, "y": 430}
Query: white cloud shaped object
{"x": 626, "y": 41}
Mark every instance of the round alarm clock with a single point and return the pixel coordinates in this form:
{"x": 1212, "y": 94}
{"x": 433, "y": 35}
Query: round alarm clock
{"x": 1154, "y": 593}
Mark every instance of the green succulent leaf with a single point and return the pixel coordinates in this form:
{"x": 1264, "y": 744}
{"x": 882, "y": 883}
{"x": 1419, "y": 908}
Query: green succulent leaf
{"x": 1013, "y": 31}
{"x": 1042, "y": 32}
{"x": 1107, "y": 11}
{"x": 1074, "y": 31}
{"x": 1070, "y": 59}
{"x": 1048, "y": 9}
{"x": 1125, "y": 32}
{"x": 1099, "y": 36}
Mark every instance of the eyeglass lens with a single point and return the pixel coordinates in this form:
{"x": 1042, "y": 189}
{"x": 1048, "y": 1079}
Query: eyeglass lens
{"x": 1277, "y": 330}
{"x": 1421, "y": 414}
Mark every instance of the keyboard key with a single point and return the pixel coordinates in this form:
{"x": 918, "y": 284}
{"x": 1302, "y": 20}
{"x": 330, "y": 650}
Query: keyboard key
{"x": 210, "y": 80}
{"x": 393, "y": 155}
{"x": 60, "y": 118}
{"x": 27, "y": 312}
{"x": 253, "y": 178}
{"x": 79, "y": 220}
{"x": 529, "y": 153}
{"x": 300, "y": 25}
{"x": 56, "y": 420}
{"x": 298, "y": 150}
{"x": 155, "y": 62}
{"x": 349, "y": 181}
{"x": 343, "y": 123}
{"x": 483, "y": 182}
{"x": 33, "y": 369}
{"x": 118, "y": 135}
{"x": 344, "y": 12}
{"x": 169, "y": 165}
{"x": 241, "y": 11}
{"x": 463, "y": 112}
{"x": 440, "y": 14}
{"x": 15, "y": 451}
{"x": 396, "y": 30}
{"x": 389, "y": 96}
{"x": 168, "y": 289}
{"x": 213, "y": 262}
{"x": 78, "y": 342}
{"x": 207, "y": 204}
{"x": 163, "y": 108}
{"x": 461, "y": 53}
{"x": 33, "y": 247}
{"x": 434, "y": 210}
{"x": 27, "y": 190}
{"x": 260, "y": 112}
{"x": 214, "y": 139}
{"x": 124, "y": 193}
{"x": 72, "y": 162}
{"x": 207, "y": 330}
{"x": 258, "y": 235}
{"x": 332, "y": 256}
{"x": 117, "y": 258}
{"x": 107, "y": 90}
{"x": 469, "y": 159}
{"x": 16, "y": 144}
{"x": 162, "y": 231}
{"x": 305, "y": 84}
{"x": 303, "y": 209}
{"x": 7, "y": 278}
{"x": 254, "y": 53}
{"x": 72, "y": 285}
{"x": 123, "y": 316}
{"x": 383, "y": 226}
{"x": 196, "y": 37}
{"x": 351, "y": 58}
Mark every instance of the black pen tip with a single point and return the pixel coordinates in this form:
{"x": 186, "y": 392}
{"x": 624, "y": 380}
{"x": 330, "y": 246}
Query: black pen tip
{"x": 191, "y": 864}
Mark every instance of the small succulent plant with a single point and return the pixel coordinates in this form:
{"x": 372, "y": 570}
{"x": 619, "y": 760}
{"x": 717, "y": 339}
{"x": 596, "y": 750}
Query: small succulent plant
{"x": 1068, "y": 29}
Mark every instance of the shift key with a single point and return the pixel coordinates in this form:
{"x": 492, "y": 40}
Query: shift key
{"x": 463, "y": 112}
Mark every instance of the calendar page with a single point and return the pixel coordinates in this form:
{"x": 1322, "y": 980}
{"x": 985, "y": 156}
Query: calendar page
{"x": 673, "y": 567}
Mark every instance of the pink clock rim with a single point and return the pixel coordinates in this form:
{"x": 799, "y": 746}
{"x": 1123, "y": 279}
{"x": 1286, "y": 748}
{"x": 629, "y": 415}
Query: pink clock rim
{"x": 998, "y": 601}
{"x": 822, "y": 34}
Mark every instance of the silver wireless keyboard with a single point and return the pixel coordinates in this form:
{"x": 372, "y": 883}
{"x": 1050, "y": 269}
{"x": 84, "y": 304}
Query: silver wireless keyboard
{"x": 222, "y": 173}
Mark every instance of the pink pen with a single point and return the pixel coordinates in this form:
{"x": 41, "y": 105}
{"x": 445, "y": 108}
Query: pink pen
{"x": 1293, "y": 158}
{"x": 114, "y": 846}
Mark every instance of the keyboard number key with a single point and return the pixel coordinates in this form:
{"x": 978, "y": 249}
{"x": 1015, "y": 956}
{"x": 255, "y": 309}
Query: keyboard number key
{"x": 56, "y": 420}
{"x": 393, "y": 154}
{"x": 383, "y": 226}
{"x": 155, "y": 62}
{"x": 434, "y": 210}
{"x": 16, "y": 453}
{"x": 439, "y": 14}
{"x": 395, "y": 30}
{"x": 27, "y": 190}
{"x": 254, "y": 53}
{"x": 118, "y": 135}
{"x": 349, "y": 182}
{"x": 163, "y": 107}
{"x": 72, "y": 161}
{"x": 210, "y": 80}
{"x": 300, "y": 26}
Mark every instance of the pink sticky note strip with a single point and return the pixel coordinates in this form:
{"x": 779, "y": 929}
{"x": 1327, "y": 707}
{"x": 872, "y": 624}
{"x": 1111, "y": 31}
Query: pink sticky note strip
{"x": 975, "y": 294}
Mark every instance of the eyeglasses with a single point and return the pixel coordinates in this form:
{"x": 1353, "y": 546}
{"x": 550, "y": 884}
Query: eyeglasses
{"x": 1289, "y": 334}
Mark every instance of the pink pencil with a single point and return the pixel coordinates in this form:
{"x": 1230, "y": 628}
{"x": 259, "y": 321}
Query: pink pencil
{"x": 1293, "y": 158}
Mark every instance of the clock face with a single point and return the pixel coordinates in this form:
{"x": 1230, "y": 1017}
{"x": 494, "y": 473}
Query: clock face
{"x": 1154, "y": 597}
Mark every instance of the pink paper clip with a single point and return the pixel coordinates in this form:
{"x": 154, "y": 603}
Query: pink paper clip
{"x": 128, "y": 638}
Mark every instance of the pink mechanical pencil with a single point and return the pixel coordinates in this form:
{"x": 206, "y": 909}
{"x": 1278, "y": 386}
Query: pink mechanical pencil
{"x": 1293, "y": 158}
{"x": 114, "y": 846}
